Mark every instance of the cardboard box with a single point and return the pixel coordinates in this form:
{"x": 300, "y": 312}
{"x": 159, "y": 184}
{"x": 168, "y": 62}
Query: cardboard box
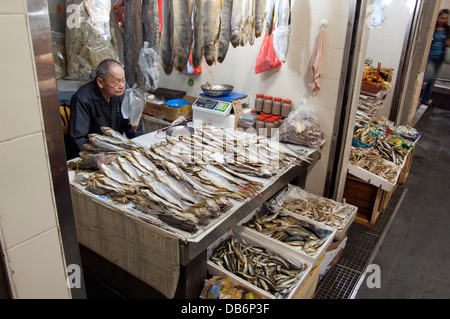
{"x": 332, "y": 255}
{"x": 168, "y": 113}
{"x": 308, "y": 288}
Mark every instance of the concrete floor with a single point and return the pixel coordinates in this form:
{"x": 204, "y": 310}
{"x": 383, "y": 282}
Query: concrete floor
{"x": 414, "y": 256}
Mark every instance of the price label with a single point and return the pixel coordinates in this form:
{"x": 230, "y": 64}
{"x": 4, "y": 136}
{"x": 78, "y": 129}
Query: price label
{"x": 238, "y": 111}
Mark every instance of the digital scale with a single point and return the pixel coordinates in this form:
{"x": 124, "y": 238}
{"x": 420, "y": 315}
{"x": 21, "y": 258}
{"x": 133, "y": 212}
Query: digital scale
{"x": 215, "y": 111}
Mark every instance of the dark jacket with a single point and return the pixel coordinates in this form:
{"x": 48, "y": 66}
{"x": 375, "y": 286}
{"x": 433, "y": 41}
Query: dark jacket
{"x": 89, "y": 111}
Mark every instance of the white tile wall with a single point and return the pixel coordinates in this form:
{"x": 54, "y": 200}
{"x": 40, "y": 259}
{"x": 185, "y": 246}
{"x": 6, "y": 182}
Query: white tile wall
{"x": 28, "y": 221}
{"x": 36, "y": 267}
{"x": 385, "y": 42}
{"x": 292, "y": 79}
{"x": 13, "y": 6}
{"x": 20, "y": 110}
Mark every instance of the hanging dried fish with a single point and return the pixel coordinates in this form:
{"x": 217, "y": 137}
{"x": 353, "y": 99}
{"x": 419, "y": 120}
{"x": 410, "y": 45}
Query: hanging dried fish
{"x": 182, "y": 35}
{"x": 270, "y": 10}
{"x": 245, "y": 23}
{"x": 198, "y": 47}
{"x": 211, "y": 28}
{"x": 133, "y": 38}
{"x": 150, "y": 21}
{"x": 251, "y": 22}
{"x": 225, "y": 30}
{"x": 236, "y": 22}
{"x": 167, "y": 40}
{"x": 260, "y": 17}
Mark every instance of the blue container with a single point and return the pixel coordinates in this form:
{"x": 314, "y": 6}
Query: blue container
{"x": 360, "y": 144}
{"x": 177, "y": 103}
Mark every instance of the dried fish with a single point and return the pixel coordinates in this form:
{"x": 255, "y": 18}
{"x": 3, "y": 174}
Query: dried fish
{"x": 260, "y": 16}
{"x": 370, "y": 160}
{"x": 289, "y": 230}
{"x": 211, "y": 28}
{"x": 270, "y": 10}
{"x": 198, "y": 47}
{"x": 150, "y": 20}
{"x": 225, "y": 30}
{"x": 182, "y": 34}
{"x": 236, "y": 22}
{"x": 133, "y": 39}
{"x": 257, "y": 266}
{"x": 167, "y": 37}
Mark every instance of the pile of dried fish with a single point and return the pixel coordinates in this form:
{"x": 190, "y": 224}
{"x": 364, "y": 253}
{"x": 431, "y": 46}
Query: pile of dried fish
{"x": 364, "y": 135}
{"x": 370, "y": 160}
{"x": 180, "y": 180}
{"x": 321, "y": 209}
{"x": 255, "y": 265}
{"x": 389, "y": 152}
{"x": 289, "y": 230}
{"x": 366, "y": 112}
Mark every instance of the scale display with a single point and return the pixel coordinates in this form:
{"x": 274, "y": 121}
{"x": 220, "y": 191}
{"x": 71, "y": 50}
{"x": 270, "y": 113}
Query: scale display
{"x": 212, "y": 105}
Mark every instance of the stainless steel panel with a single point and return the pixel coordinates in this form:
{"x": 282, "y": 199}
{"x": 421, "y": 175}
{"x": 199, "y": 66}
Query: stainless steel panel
{"x": 42, "y": 46}
{"x": 405, "y": 58}
{"x": 347, "y": 87}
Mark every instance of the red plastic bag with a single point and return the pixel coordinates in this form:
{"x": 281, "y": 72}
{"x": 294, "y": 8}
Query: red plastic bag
{"x": 266, "y": 60}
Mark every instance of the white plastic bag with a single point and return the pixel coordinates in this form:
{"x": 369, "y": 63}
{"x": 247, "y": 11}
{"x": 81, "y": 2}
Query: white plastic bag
{"x": 133, "y": 105}
{"x": 302, "y": 127}
{"x": 281, "y": 42}
{"x": 148, "y": 63}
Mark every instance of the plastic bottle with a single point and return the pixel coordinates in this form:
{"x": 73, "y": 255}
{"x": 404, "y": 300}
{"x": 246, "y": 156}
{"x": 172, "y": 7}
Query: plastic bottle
{"x": 270, "y": 126}
{"x": 276, "y": 106}
{"x": 260, "y": 124}
{"x": 286, "y": 108}
{"x": 267, "y": 106}
{"x": 259, "y": 102}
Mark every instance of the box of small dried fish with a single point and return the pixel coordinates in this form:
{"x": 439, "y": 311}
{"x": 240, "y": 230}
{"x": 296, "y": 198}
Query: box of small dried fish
{"x": 266, "y": 268}
{"x": 304, "y": 238}
{"x": 367, "y": 165}
{"x": 317, "y": 208}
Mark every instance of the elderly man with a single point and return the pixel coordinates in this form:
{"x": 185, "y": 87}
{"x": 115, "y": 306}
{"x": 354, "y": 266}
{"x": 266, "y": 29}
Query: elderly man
{"x": 98, "y": 103}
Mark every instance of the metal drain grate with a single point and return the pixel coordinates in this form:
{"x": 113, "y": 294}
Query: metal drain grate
{"x": 343, "y": 277}
{"x": 337, "y": 284}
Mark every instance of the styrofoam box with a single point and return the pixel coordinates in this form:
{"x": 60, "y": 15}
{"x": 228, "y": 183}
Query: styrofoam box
{"x": 271, "y": 248}
{"x": 296, "y": 251}
{"x": 340, "y": 231}
{"x": 373, "y": 179}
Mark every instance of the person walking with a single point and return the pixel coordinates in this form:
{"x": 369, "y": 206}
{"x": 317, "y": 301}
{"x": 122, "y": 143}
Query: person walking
{"x": 441, "y": 40}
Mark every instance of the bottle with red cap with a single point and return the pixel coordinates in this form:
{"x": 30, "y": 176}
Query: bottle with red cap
{"x": 286, "y": 108}
{"x": 276, "y": 106}
{"x": 270, "y": 126}
{"x": 267, "y": 106}
{"x": 259, "y": 102}
{"x": 260, "y": 124}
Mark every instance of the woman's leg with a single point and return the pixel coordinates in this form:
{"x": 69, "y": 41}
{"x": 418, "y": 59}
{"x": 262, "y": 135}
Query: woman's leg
{"x": 429, "y": 77}
{"x": 431, "y": 73}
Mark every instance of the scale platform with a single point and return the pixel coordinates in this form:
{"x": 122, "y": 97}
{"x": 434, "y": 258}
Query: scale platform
{"x": 215, "y": 110}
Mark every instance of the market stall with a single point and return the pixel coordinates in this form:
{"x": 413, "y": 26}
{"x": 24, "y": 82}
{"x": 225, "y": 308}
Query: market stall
{"x": 381, "y": 152}
{"x": 93, "y": 211}
{"x": 156, "y": 205}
